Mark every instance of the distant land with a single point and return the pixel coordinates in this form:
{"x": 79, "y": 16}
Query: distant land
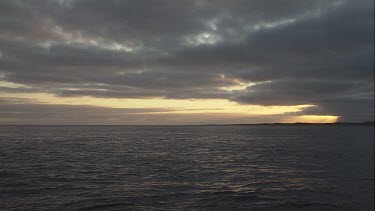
{"x": 365, "y": 123}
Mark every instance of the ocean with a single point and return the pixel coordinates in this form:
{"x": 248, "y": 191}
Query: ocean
{"x": 269, "y": 167}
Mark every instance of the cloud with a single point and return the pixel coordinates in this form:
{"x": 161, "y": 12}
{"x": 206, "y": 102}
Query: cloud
{"x": 351, "y": 100}
{"x": 293, "y": 53}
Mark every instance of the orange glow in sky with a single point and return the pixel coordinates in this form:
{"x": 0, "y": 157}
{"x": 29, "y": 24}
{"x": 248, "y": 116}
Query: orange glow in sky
{"x": 208, "y": 108}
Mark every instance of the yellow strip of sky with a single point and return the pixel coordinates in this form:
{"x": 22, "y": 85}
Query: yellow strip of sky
{"x": 177, "y": 106}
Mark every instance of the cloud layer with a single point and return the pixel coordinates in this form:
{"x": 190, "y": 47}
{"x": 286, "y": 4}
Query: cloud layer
{"x": 291, "y": 53}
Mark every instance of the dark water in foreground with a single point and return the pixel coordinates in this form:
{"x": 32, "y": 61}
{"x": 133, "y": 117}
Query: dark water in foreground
{"x": 186, "y": 168}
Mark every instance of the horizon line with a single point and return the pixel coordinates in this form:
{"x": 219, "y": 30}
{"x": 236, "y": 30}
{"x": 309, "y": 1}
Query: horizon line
{"x": 210, "y": 124}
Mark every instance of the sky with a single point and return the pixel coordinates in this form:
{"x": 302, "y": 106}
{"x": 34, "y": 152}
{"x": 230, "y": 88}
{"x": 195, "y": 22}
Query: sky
{"x": 165, "y": 62}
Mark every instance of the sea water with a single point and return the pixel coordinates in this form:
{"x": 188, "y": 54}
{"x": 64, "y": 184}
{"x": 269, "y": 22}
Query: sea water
{"x": 300, "y": 167}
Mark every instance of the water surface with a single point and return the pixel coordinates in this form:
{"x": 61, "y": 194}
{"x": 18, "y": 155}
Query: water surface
{"x": 187, "y": 167}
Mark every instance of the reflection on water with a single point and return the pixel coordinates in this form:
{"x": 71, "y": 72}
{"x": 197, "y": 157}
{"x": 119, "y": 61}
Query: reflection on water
{"x": 187, "y": 167}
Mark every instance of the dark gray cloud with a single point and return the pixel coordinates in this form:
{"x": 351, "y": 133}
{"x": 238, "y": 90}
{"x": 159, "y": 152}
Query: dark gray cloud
{"x": 297, "y": 52}
{"x": 351, "y": 100}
